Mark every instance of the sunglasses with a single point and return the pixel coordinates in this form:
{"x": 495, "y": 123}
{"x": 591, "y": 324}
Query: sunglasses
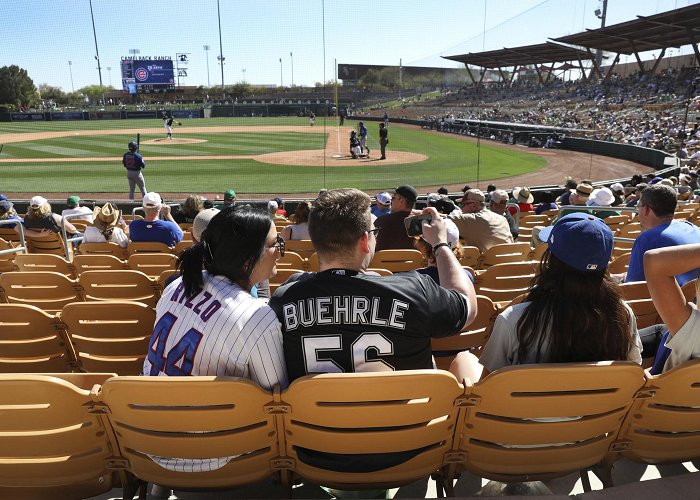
{"x": 279, "y": 244}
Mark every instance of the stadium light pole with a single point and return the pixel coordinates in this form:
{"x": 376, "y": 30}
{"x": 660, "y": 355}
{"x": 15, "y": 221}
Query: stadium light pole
{"x": 601, "y": 15}
{"x": 70, "y": 69}
{"x": 281, "y": 84}
{"x": 221, "y": 57}
{"x": 291, "y": 57}
{"x": 206, "y": 51}
{"x": 109, "y": 75}
{"x": 243, "y": 71}
{"x": 97, "y": 51}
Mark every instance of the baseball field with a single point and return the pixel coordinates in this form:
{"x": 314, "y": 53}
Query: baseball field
{"x": 253, "y": 155}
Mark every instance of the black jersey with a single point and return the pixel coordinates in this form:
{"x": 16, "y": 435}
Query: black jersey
{"x": 342, "y": 321}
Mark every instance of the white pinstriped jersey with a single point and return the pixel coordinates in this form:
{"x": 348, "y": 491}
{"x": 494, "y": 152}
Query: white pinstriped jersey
{"x": 221, "y": 331}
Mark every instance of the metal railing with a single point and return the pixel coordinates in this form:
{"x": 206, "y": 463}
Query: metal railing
{"x": 23, "y": 245}
{"x": 72, "y": 239}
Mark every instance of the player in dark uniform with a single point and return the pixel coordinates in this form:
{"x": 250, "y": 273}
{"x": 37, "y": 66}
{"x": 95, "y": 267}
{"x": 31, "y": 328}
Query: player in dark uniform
{"x": 168, "y": 125}
{"x": 133, "y": 163}
{"x": 343, "y": 320}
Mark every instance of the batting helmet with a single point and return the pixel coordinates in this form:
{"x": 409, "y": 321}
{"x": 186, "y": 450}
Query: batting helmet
{"x": 133, "y": 146}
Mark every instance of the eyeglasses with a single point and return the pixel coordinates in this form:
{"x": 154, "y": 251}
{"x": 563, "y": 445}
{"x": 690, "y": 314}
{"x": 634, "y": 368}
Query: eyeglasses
{"x": 279, "y": 245}
{"x": 374, "y": 231}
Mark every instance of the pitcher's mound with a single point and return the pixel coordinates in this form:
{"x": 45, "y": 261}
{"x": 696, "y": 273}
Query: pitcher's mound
{"x": 164, "y": 140}
{"x": 314, "y": 158}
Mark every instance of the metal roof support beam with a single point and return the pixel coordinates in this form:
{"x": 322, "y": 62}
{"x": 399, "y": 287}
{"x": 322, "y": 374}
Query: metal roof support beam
{"x": 608, "y": 73}
{"x": 539, "y": 75}
{"x": 694, "y": 44}
{"x": 658, "y": 60}
{"x": 469, "y": 72}
{"x": 595, "y": 69}
{"x": 483, "y": 74}
{"x": 549, "y": 73}
{"x": 503, "y": 75}
{"x": 512, "y": 76}
{"x": 636, "y": 55}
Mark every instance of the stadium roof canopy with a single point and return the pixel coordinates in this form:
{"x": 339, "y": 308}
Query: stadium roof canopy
{"x": 674, "y": 28}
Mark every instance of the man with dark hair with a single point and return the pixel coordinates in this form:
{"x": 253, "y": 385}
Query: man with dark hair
{"x": 393, "y": 231}
{"x": 656, "y": 207}
{"x": 344, "y": 320}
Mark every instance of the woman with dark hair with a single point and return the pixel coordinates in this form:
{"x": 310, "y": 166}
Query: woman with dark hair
{"x": 208, "y": 322}
{"x": 300, "y": 229}
{"x": 573, "y": 313}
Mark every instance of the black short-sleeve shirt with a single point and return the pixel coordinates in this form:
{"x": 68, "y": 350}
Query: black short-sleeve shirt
{"x": 341, "y": 321}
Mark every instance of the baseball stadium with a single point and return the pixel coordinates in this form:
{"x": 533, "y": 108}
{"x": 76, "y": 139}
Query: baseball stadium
{"x": 193, "y": 252}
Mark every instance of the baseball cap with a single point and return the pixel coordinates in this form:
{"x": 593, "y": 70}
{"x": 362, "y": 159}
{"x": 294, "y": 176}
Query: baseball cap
{"x": 617, "y": 187}
{"x": 2, "y": 197}
{"x": 37, "y": 201}
{"x": 272, "y": 205}
{"x": 72, "y": 201}
{"x": 201, "y": 222}
{"x": 5, "y": 205}
{"x": 452, "y": 233}
{"x": 581, "y": 241}
{"x": 499, "y": 196}
{"x": 230, "y": 195}
{"x": 408, "y": 192}
{"x": 152, "y": 200}
{"x": 384, "y": 198}
{"x": 656, "y": 180}
{"x": 472, "y": 195}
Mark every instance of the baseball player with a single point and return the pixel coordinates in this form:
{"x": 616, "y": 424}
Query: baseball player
{"x": 362, "y": 133}
{"x": 168, "y": 124}
{"x": 207, "y": 321}
{"x": 133, "y": 163}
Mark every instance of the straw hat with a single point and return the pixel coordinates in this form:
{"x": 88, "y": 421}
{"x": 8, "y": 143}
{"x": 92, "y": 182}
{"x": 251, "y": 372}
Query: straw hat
{"x": 106, "y": 216}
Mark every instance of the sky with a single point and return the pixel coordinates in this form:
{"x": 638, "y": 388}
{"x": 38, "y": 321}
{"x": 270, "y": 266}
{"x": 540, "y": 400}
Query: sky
{"x": 42, "y": 36}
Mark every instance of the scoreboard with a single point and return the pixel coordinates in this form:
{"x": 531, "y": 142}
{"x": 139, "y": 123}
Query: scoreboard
{"x": 145, "y": 76}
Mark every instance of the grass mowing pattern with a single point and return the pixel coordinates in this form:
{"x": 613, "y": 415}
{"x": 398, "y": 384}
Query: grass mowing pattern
{"x": 451, "y": 160}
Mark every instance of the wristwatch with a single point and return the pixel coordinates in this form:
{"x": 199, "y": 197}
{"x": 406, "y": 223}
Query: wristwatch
{"x": 442, "y": 244}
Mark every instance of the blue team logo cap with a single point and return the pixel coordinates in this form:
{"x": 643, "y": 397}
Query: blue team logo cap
{"x": 581, "y": 241}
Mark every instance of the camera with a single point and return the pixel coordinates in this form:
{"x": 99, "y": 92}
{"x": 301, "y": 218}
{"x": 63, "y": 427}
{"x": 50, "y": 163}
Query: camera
{"x": 414, "y": 224}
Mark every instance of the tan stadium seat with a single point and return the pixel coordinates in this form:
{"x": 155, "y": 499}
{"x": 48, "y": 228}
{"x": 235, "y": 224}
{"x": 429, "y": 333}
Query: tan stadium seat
{"x": 504, "y": 252}
{"x": 120, "y": 285}
{"x": 9, "y": 234}
{"x": 33, "y": 341}
{"x": 51, "y": 243}
{"x": 636, "y": 295}
{"x": 537, "y": 253}
{"x": 398, "y": 260}
{"x": 504, "y": 282}
{"x": 45, "y": 262}
{"x": 536, "y": 422}
{"x": 470, "y": 256}
{"x": 292, "y": 260}
{"x": 49, "y": 291}
{"x": 106, "y": 248}
{"x": 302, "y": 247}
{"x": 7, "y": 260}
{"x": 147, "y": 247}
{"x": 195, "y": 418}
{"x": 109, "y": 336}
{"x": 620, "y": 263}
{"x": 472, "y": 337}
{"x": 97, "y": 262}
{"x": 282, "y": 275}
{"x": 410, "y": 412}
{"x": 53, "y": 444}
{"x": 152, "y": 264}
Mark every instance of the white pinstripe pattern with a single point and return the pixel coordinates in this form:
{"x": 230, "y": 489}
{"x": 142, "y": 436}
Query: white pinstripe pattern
{"x": 243, "y": 338}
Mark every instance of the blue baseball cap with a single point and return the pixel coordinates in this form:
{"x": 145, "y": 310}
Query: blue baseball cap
{"x": 581, "y": 241}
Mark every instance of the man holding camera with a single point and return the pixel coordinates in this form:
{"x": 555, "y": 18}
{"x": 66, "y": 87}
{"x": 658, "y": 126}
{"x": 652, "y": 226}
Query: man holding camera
{"x": 343, "y": 320}
{"x": 393, "y": 232}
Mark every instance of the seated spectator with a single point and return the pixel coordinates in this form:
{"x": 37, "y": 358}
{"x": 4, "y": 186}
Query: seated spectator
{"x": 633, "y": 199}
{"x": 300, "y": 229}
{"x": 7, "y": 212}
{"x": 229, "y": 199}
{"x": 618, "y": 192}
{"x": 684, "y": 191}
{"x": 524, "y": 198}
{"x": 272, "y": 207}
{"x": 662, "y": 266}
{"x": 569, "y": 187}
{"x": 228, "y": 332}
{"x": 427, "y": 250}
{"x": 546, "y": 203}
{"x": 152, "y": 228}
{"x": 573, "y": 313}
{"x": 602, "y": 197}
{"x": 108, "y": 226}
{"x": 281, "y": 211}
{"x": 382, "y": 204}
{"x": 392, "y": 234}
{"x": 498, "y": 204}
{"x": 478, "y": 226}
{"x": 40, "y": 220}
{"x": 189, "y": 209}
{"x": 74, "y": 208}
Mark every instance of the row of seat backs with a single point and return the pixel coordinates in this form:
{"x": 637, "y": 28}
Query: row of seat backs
{"x": 520, "y": 423}
{"x": 151, "y": 264}
{"x": 109, "y": 336}
{"x": 51, "y": 291}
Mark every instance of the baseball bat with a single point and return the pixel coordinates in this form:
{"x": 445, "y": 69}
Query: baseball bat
{"x": 138, "y": 140}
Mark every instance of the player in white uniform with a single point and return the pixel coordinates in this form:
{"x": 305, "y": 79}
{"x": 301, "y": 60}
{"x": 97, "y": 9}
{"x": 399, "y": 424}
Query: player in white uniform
{"x": 207, "y": 321}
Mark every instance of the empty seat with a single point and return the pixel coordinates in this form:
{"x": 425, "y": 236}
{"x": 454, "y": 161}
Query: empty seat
{"x": 152, "y": 264}
{"x": 45, "y": 262}
{"x": 49, "y": 291}
{"x": 120, "y": 285}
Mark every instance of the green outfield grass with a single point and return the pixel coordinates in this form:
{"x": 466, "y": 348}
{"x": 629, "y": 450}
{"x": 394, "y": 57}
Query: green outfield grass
{"x": 450, "y": 159}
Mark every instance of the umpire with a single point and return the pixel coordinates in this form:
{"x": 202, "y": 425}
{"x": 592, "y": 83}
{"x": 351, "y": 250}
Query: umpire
{"x": 133, "y": 163}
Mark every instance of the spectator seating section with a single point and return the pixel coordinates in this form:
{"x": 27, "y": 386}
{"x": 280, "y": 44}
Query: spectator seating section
{"x": 147, "y": 247}
{"x": 49, "y": 291}
{"x": 398, "y": 260}
{"x": 51, "y": 243}
{"x": 107, "y": 248}
{"x": 97, "y": 262}
{"x": 45, "y": 262}
{"x": 119, "y": 285}
{"x": 521, "y": 423}
{"x": 504, "y": 252}
{"x": 152, "y": 264}
{"x": 504, "y": 282}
